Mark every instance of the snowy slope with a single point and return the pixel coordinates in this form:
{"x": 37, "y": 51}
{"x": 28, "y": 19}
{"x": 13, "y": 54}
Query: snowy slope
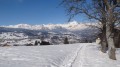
{"x": 72, "y": 55}
{"x": 13, "y": 35}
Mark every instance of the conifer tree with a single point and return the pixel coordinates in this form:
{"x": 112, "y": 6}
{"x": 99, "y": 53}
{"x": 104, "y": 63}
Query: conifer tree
{"x": 66, "y": 41}
{"x": 36, "y": 43}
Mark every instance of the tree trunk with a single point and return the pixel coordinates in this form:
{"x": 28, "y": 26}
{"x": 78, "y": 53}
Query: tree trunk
{"x": 110, "y": 40}
{"x": 117, "y": 38}
{"x": 103, "y": 45}
{"x": 103, "y": 39}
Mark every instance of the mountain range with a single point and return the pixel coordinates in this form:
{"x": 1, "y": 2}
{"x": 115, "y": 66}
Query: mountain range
{"x": 74, "y": 30}
{"x": 74, "y": 25}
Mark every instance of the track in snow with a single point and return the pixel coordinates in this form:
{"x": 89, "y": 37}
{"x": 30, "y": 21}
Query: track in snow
{"x": 76, "y": 57}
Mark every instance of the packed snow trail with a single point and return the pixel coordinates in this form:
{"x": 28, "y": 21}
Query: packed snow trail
{"x": 70, "y": 59}
{"x": 91, "y": 56}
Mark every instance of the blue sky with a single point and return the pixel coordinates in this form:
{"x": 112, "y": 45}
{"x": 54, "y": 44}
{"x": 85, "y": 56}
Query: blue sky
{"x": 32, "y": 12}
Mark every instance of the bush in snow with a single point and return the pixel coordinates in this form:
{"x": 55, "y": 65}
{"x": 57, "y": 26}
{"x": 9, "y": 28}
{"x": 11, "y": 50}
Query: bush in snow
{"x": 29, "y": 44}
{"x": 16, "y": 45}
{"x": 44, "y": 43}
{"x": 5, "y": 45}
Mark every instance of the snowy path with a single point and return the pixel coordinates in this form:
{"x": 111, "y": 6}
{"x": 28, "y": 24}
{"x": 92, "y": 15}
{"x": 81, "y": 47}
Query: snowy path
{"x": 73, "y": 55}
{"x": 91, "y": 56}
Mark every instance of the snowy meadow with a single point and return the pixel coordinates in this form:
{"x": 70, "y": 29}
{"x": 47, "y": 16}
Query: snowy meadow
{"x": 69, "y": 55}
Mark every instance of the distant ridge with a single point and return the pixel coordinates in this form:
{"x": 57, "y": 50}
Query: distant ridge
{"x": 74, "y": 25}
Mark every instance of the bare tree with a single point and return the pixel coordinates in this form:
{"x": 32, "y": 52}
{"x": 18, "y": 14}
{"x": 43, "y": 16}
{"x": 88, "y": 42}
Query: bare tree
{"x": 92, "y": 10}
{"x": 104, "y": 11}
{"x": 112, "y": 12}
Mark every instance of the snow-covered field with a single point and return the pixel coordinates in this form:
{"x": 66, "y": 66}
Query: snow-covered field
{"x": 13, "y": 35}
{"x": 72, "y": 55}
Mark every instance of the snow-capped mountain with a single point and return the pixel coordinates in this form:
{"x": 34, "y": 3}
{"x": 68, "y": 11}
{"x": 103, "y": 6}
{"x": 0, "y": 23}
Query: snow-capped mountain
{"x": 74, "y": 25}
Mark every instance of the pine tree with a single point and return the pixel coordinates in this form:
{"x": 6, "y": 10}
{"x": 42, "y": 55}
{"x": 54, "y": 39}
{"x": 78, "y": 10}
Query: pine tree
{"x": 66, "y": 41}
{"x": 36, "y": 43}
